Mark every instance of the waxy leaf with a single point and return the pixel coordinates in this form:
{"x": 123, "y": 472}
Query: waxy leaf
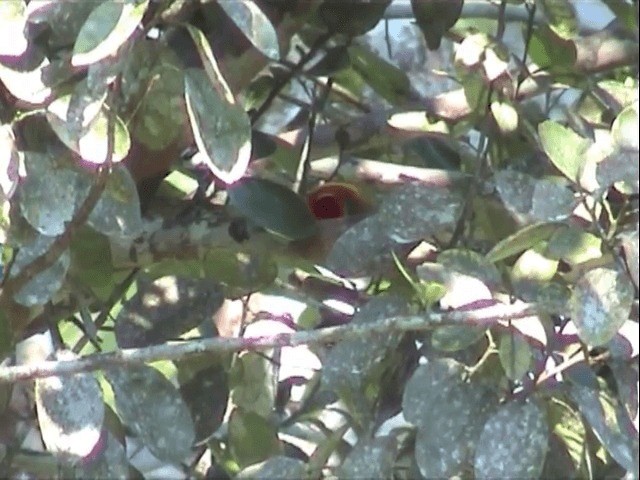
{"x": 435, "y": 18}
{"x": 522, "y": 240}
{"x": 513, "y": 443}
{"x": 43, "y": 286}
{"x": 87, "y": 136}
{"x": 273, "y": 207}
{"x": 70, "y": 412}
{"x": 108, "y": 27}
{"x": 153, "y": 409}
{"x": 565, "y": 148}
{"x": 255, "y": 25}
{"x": 221, "y": 129}
{"x": 600, "y": 304}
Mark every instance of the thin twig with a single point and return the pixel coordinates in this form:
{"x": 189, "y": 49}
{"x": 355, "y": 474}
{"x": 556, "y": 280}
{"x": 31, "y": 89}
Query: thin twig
{"x": 300, "y": 184}
{"x": 114, "y": 298}
{"x": 285, "y": 79}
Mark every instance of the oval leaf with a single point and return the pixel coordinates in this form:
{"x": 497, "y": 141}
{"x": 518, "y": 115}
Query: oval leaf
{"x": 49, "y": 194}
{"x": 370, "y": 459}
{"x": 88, "y": 140}
{"x": 252, "y": 438}
{"x": 515, "y": 355}
{"x": 255, "y": 25}
{"x": 70, "y": 412}
{"x": 513, "y": 443}
{"x": 435, "y": 18}
{"x": 434, "y": 383}
{"x": 523, "y": 239}
{"x": 573, "y": 245}
{"x": 152, "y": 407}
{"x": 562, "y": 17}
{"x": 108, "y": 27}
{"x": 602, "y": 413}
{"x": 281, "y": 467}
{"x": 273, "y": 207}
{"x": 352, "y": 18}
{"x": 221, "y": 129}
{"x": 549, "y": 51}
{"x": 600, "y": 304}
{"x": 565, "y": 148}
{"x": 43, "y": 286}
{"x": 445, "y": 449}
{"x": 165, "y": 309}
{"x": 117, "y": 213}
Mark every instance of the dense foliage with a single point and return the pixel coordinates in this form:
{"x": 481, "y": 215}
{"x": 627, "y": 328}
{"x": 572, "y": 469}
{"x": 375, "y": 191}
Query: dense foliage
{"x": 246, "y": 240}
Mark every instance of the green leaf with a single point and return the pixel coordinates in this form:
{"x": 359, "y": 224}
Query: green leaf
{"x": 372, "y": 458}
{"x": 513, "y": 443}
{"x": 206, "y": 393}
{"x": 624, "y": 129}
{"x": 549, "y": 51}
{"x": 164, "y": 309}
{"x": 70, "y": 412}
{"x": 241, "y": 271}
{"x": 505, "y": 116}
{"x": 108, "y": 27}
{"x": 436, "y": 399}
{"x": 573, "y": 245}
{"x": 471, "y": 263}
{"x": 252, "y": 438}
{"x": 117, "y": 213}
{"x": 630, "y": 242}
{"x": 153, "y": 409}
{"x": 89, "y": 140}
{"x": 603, "y": 414}
{"x": 430, "y": 385}
{"x": 565, "y": 148}
{"x": 523, "y": 239}
{"x": 428, "y": 293}
{"x": 435, "y": 18}
{"x": 566, "y": 425}
{"x": 352, "y": 18}
{"x": 385, "y": 79}
{"x": 221, "y": 129}
{"x": 252, "y": 384}
{"x": 255, "y": 25}
{"x": 285, "y": 468}
{"x": 532, "y": 272}
{"x": 91, "y": 259}
{"x": 210, "y": 64}
{"x": 562, "y": 17}
{"x": 49, "y": 194}
{"x": 600, "y": 304}
{"x": 273, "y": 207}
{"x": 515, "y": 355}
{"x": 453, "y": 338}
{"x": 43, "y": 286}
{"x": 65, "y": 19}
{"x": 153, "y": 86}
{"x": 353, "y": 365}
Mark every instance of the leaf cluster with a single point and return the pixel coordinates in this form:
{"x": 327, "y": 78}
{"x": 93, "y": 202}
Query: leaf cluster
{"x": 489, "y": 301}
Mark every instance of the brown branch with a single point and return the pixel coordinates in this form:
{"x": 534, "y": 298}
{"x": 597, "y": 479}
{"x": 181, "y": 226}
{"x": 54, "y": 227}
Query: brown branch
{"x": 484, "y": 316}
